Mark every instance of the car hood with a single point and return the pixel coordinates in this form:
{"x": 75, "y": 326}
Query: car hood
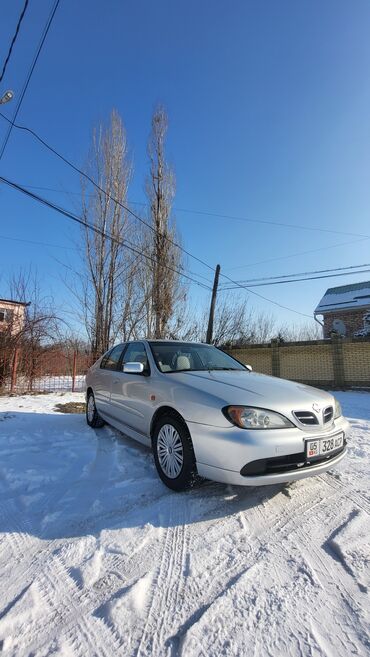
{"x": 251, "y": 388}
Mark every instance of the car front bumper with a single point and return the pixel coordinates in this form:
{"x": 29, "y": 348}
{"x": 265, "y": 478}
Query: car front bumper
{"x": 222, "y": 454}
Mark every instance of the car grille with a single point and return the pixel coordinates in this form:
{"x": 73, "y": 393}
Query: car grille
{"x": 328, "y": 414}
{"x": 289, "y": 463}
{"x": 306, "y": 417}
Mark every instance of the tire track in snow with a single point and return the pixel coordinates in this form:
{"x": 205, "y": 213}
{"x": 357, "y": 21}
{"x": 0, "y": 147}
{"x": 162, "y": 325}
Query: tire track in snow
{"x": 331, "y": 576}
{"x": 167, "y": 586}
{"x": 175, "y": 586}
{"x": 31, "y": 552}
{"x": 23, "y": 537}
{"x": 25, "y": 548}
{"x": 66, "y": 610}
{"x": 273, "y": 529}
{"x": 60, "y": 586}
{"x": 359, "y": 500}
{"x": 290, "y": 521}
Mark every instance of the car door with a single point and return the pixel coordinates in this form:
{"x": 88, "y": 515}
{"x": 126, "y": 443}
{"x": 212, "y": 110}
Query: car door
{"x": 130, "y": 393}
{"x": 103, "y": 378}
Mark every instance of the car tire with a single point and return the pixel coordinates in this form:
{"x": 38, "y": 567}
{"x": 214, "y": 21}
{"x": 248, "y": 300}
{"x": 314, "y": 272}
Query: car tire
{"x": 93, "y": 418}
{"x": 171, "y": 436}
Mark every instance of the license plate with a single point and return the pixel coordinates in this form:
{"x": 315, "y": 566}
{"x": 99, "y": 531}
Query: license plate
{"x": 323, "y": 446}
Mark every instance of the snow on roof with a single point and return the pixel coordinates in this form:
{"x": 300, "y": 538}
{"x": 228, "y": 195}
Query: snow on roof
{"x": 345, "y": 297}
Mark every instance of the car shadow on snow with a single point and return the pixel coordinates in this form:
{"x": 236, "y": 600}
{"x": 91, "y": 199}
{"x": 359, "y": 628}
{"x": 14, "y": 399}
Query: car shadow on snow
{"x": 61, "y": 479}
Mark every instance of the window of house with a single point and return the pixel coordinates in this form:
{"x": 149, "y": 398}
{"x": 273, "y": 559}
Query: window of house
{"x": 6, "y": 315}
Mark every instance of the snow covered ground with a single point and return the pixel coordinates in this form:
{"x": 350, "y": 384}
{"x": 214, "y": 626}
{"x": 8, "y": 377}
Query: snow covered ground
{"x": 97, "y": 557}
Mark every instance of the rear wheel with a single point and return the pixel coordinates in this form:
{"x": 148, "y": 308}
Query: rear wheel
{"x": 93, "y": 418}
{"x": 173, "y": 453}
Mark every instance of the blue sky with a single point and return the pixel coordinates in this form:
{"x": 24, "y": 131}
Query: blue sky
{"x": 269, "y": 109}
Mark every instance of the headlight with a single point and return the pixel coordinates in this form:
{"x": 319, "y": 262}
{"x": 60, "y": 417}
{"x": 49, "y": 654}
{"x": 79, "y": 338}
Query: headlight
{"x": 248, "y": 417}
{"x": 337, "y": 410}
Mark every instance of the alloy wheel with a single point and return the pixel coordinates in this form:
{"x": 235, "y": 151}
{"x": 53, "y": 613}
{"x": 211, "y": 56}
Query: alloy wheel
{"x": 90, "y": 408}
{"x": 170, "y": 451}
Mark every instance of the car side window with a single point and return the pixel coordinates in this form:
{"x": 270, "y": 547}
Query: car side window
{"x": 104, "y": 359}
{"x": 111, "y": 361}
{"x": 136, "y": 353}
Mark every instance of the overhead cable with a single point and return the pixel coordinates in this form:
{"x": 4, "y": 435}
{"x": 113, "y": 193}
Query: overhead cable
{"x": 73, "y": 217}
{"x": 29, "y": 76}
{"x": 12, "y": 43}
{"x": 249, "y": 281}
{"x": 295, "y": 280}
{"x": 80, "y": 221}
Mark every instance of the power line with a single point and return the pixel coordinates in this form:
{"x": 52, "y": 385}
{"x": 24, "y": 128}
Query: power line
{"x": 260, "y": 296}
{"x": 300, "y": 253}
{"x": 250, "y": 264}
{"x": 295, "y": 280}
{"x": 261, "y": 221}
{"x": 71, "y": 248}
{"x": 53, "y": 246}
{"x": 52, "y": 189}
{"x": 269, "y": 223}
{"x": 29, "y": 75}
{"x": 303, "y": 273}
{"x": 77, "y": 219}
{"x": 250, "y": 282}
{"x": 136, "y": 216}
{"x": 176, "y": 209}
{"x": 93, "y": 182}
{"x": 103, "y": 191}
{"x": 80, "y": 221}
{"x": 20, "y": 19}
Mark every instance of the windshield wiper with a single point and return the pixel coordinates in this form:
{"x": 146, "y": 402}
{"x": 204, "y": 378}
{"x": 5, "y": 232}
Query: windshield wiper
{"x": 204, "y": 369}
{"x": 188, "y": 369}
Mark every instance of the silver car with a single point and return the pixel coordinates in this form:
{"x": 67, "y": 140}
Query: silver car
{"x": 207, "y": 415}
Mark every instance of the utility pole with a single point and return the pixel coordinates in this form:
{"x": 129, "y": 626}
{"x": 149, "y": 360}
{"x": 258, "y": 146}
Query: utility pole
{"x": 212, "y": 307}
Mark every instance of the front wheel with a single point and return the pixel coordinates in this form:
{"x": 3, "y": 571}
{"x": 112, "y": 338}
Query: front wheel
{"x": 173, "y": 454}
{"x": 93, "y": 418}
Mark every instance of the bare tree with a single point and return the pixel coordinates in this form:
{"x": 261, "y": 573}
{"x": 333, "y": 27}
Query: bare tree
{"x": 235, "y": 323}
{"x": 294, "y": 333}
{"x": 164, "y": 281}
{"x": 231, "y": 322}
{"x": 41, "y": 323}
{"x": 31, "y": 332}
{"x": 263, "y": 326}
{"x": 105, "y": 289}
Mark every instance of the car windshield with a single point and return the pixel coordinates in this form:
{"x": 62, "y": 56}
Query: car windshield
{"x": 189, "y": 357}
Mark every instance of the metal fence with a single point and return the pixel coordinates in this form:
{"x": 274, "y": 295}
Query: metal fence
{"x": 43, "y": 370}
{"x": 332, "y": 363}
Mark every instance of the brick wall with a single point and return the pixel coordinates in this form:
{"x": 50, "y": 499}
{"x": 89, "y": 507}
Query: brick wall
{"x": 333, "y": 363}
{"x": 352, "y": 319}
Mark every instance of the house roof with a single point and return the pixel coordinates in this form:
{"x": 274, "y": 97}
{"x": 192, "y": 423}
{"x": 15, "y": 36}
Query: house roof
{"x": 16, "y": 303}
{"x": 345, "y": 297}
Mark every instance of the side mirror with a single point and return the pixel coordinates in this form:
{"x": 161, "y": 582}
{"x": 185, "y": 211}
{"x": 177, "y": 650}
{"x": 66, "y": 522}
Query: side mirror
{"x": 249, "y": 368}
{"x": 133, "y": 368}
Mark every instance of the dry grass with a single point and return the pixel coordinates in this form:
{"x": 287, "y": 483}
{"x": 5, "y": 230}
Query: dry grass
{"x": 70, "y": 407}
